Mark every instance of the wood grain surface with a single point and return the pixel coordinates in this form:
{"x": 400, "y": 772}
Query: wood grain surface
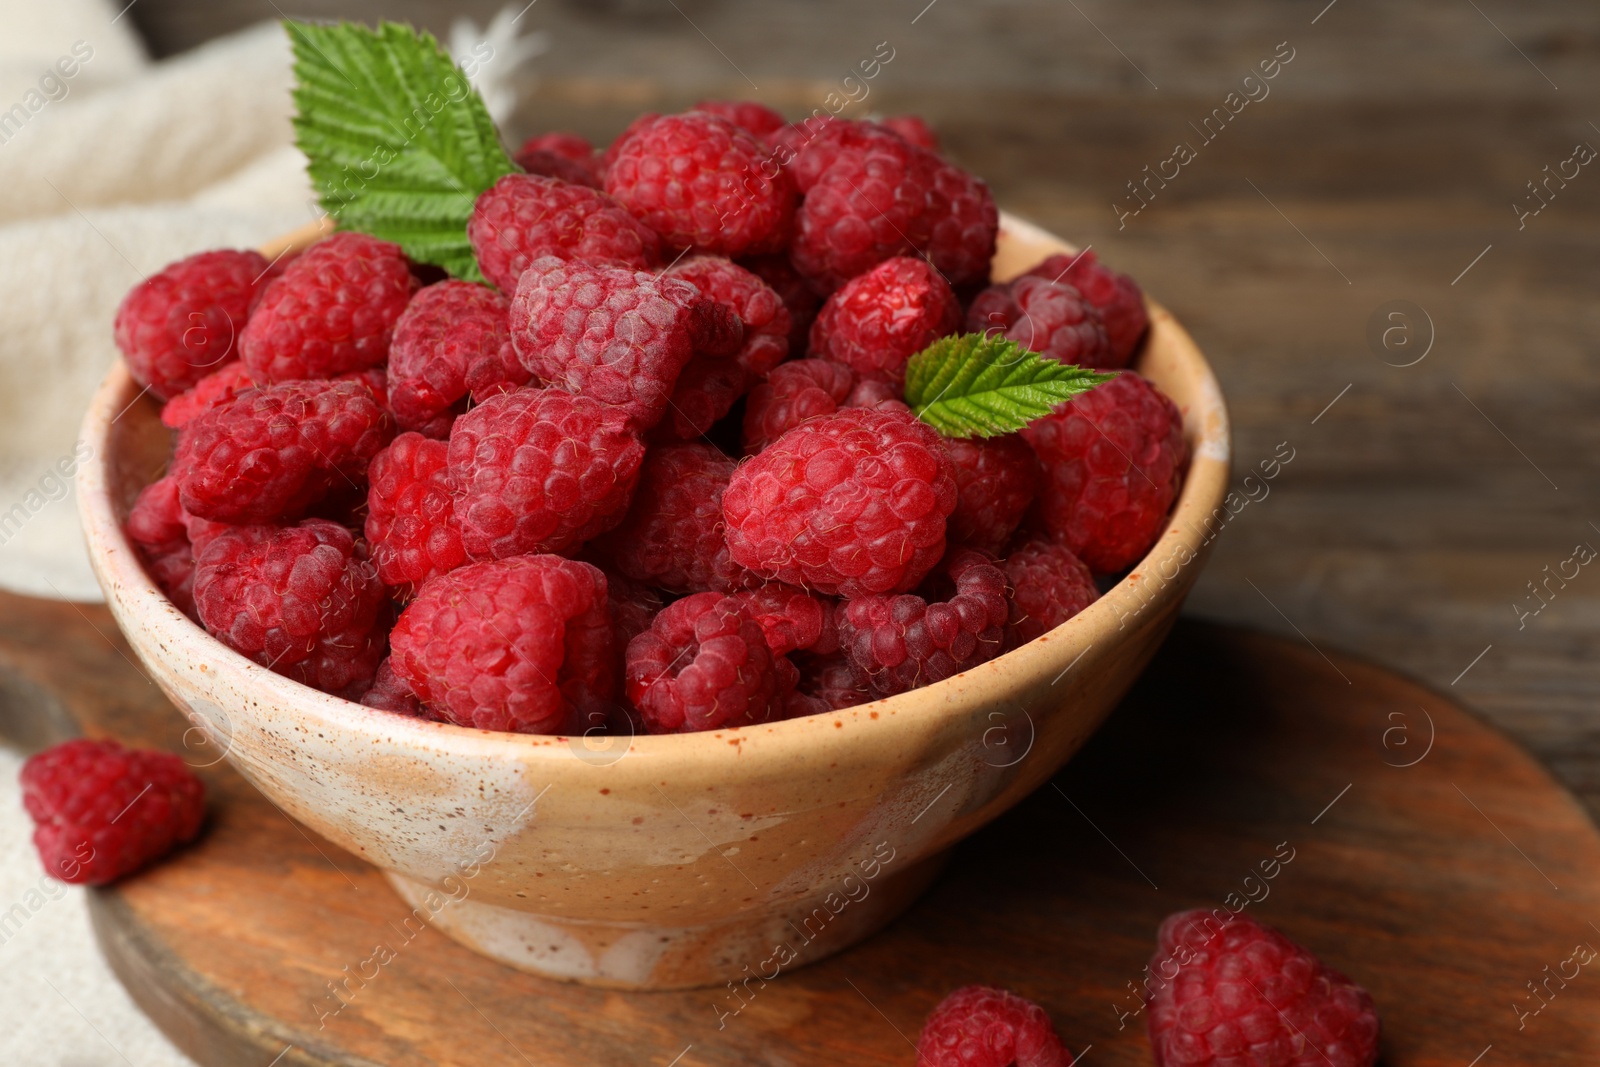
{"x": 1411, "y": 845}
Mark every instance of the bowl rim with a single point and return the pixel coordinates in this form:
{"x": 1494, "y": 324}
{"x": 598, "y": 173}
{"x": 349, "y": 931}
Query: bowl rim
{"x": 130, "y": 590}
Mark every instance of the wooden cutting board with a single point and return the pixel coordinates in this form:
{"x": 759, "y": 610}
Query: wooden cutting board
{"x": 1407, "y": 842}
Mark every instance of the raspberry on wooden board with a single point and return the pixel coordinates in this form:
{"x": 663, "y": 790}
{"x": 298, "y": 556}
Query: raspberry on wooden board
{"x": 979, "y": 1026}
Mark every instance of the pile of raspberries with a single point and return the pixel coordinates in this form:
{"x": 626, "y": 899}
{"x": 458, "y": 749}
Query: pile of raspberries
{"x": 658, "y": 475}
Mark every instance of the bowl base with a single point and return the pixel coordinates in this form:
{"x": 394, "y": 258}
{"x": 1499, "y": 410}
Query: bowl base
{"x": 753, "y": 946}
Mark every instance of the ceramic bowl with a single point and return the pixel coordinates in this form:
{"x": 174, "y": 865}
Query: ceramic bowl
{"x": 666, "y": 861}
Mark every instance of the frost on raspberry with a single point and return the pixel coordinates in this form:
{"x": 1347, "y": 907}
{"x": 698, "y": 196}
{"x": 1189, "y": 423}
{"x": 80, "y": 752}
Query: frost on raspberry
{"x": 332, "y": 311}
{"x": 702, "y": 182}
{"x": 620, "y": 337}
{"x": 1048, "y": 586}
{"x": 849, "y": 504}
{"x": 1237, "y": 991}
{"x": 879, "y": 320}
{"x": 183, "y": 323}
{"x": 411, "y": 522}
{"x": 540, "y": 470}
{"x": 524, "y": 217}
{"x": 302, "y": 600}
{"x": 901, "y": 642}
{"x": 454, "y": 340}
{"x": 1117, "y": 297}
{"x": 522, "y": 645}
{"x": 980, "y": 1026}
{"x": 272, "y": 452}
{"x": 672, "y": 536}
{"x": 101, "y": 811}
{"x": 704, "y": 664}
{"x": 997, "y": 479}
{"x": 1114, "y": 459}
{"x": 1049, "y": 317}
{"x": 795, "y": 391}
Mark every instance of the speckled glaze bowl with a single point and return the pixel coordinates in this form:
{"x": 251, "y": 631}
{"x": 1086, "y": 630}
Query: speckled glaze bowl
{"x": 666, "y": 861}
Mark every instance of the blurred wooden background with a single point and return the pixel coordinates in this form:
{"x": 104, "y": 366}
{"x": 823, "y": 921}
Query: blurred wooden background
{"x": 1383, "y": 164}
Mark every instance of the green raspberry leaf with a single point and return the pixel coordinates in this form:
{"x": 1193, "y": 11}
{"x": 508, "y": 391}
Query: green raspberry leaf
{"x": 972, "y": 385}
{"x": 400, "y": 144}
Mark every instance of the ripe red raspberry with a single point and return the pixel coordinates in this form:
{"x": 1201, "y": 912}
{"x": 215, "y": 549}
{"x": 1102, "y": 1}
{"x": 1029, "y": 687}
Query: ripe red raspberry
{"x": 672, "y": 537}
{"x": 879, "y": 197}
{"x": 792, "y": 620}
{"x": 521, "y": 645}
{"x": 183, "y": 323}
{"x": 1237, "y": 991}
{"x": 272, "y": 452}
{"x": 560, "y": 155}
{"x": 710, "y": 383}
{"x": 453, "y": 340}
{"x": 702, "y": 182}
{"x": 794, "y": 392}
{"x": 705, "y": 665}
{"x": 832, "y": 680}
{"x": 874, "y": 394}
{"x": 912, "y": 129}
{"x": 795, "y": 292}
{"x": 390, "y": 692}
{"x": 332, "y": 311}
{"x": 1114, "y": 459}
{"x": 898, "y": 643}
{"x": 101, "y": 811}
{"x": 523, "y": 217}
{"x": 1049, "y": 585}
{"x": 218, "y": 387}
{"x": 882, "y": 318}
{"x": 850, "y": 504}
{"x": 620, "y": 337}
{"x": 1117, "y": 296}
{"x": 979, "y": 1026}
{"x": 156, "y": 527}
{"x": 302, "y": 600}
{"x": 632, "y": 605}
{"x": 758, "y": 120}
{"x": 411, "y": 521}
{"x": 1051, "y": 318}
{"x": 540, "y": 470}
{"x": 997, "y": 479}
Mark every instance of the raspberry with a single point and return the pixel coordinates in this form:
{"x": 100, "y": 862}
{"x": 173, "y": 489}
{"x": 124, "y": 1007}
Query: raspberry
{"x": 792, "y": 289}
{"x": 390, "y": 692}
{"x": 101, "y": 811}
{"x": 333, "y": 310}
{"x": 702, "y": 182}
{"x": 794, "y": 392}
{"x": 521, "y": 645}
{"x": 832, "y": 680}
{"x": 181, "y": 324}
{"x": 758, "y": 120}
{"x": 632, "y": 605}
{"x": 850, "y": 504}
{"x": 216, "y": 388}
{"x": 704, "y": 665}
{"x": 997, "y": 479}
{"x": 912, "y": 129}
{"x": 560, "y": 155}
{"x": 791, "y": 619}
{"x": 882, "y": 318}
{"x": 156, "y": 527}
{"x": 540, "y": 470}
{"x": 709, "y": 384}
{"x": 1241, "y": 992}
{"x": 411, "y": 523}
{"x": 875, "y": 394}
{"x": 301, "y": 600}
{"x": 672, "y": 536}
{"x": 1051, "y": 318}
{"x": 272, "y": 452}
{"x": 523, "y": 217}
{"x": 979, "y": 1026}
{"x": 901, "y": 642}
{"x": 454, "y": 339}
{"x": 1113, "y": 460}
{"x": 1049, "y": 585}
{"x": 1117, "y": 296}
{"x": 878, "y": 196}
{"x": 621, "y": 337}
